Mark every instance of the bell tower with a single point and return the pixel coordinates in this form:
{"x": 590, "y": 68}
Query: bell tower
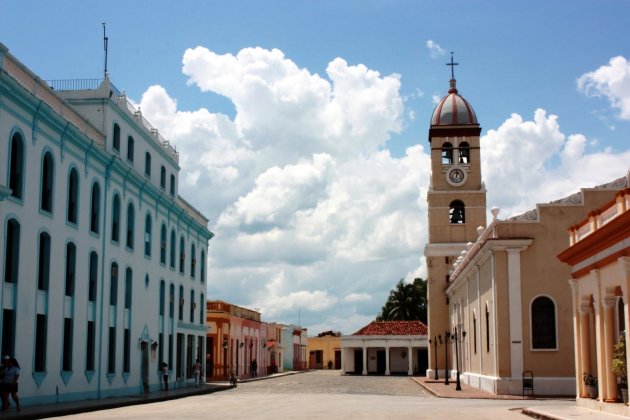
{"x": 456, "y": 204}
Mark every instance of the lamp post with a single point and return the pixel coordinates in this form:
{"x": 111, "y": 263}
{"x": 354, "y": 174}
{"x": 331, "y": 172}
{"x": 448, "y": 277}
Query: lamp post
{"x": 437, "y": 340}
{"x": 457, "y": 339}
{"x": 447, "y": 337}
{"x": 225, "y": 370}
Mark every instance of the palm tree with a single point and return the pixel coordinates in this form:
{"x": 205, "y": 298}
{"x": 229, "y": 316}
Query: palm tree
{"x": 406, "y": 302}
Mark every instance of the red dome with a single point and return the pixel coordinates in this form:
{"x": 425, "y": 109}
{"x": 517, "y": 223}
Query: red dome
{"x": 453, "y": 109}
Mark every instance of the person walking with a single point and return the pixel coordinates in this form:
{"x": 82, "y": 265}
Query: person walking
{"x": 254, "y": 368}
{"x": 4, "y": 392}
{"x": 165, "y": 375}
{"x": 197, "y": 371}
{"x": 10, "y": 384}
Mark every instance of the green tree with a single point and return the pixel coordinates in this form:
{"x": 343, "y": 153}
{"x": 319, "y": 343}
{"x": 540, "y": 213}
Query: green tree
{"x": 406, "y": 302}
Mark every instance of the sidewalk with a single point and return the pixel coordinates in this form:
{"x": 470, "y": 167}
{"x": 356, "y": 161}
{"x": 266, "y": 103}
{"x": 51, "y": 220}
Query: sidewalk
{"x": 547, "y": 412}
{"x": 76, "y": 407}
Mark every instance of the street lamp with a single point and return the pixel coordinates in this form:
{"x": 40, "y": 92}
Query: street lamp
{"x": 447, "y": 337}
{"x": 457, "y": 339}
{"x": 437, "y": 340}
{"x": 225, "y": 347}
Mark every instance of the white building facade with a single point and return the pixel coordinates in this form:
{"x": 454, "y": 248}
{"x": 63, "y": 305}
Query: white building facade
{"x": 103, "y": 264}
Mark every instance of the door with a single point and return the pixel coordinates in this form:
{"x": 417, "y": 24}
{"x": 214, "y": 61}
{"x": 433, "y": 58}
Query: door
{"x": 337, "y": 359}
{"x": 380, "y": 362}
{"x": 144, "y": 365}
{"x": 358, "y": 361}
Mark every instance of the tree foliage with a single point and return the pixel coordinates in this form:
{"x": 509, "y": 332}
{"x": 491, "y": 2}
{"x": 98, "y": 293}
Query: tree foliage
{"x": 406, "y": 302}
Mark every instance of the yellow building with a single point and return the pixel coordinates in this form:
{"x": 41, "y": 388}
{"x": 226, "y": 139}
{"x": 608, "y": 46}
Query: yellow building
{"x": 599, "y": 257}
{"x": 324, "y": 351}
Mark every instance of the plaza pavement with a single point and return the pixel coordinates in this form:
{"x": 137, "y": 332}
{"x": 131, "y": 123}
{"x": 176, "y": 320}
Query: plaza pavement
{"x": 436, "y": 388}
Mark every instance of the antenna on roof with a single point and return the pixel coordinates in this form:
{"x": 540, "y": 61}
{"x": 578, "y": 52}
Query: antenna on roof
{"x": 105, "y": 41}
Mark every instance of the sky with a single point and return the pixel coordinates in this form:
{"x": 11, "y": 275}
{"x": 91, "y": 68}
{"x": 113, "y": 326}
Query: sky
{"x": 302, "y": 126}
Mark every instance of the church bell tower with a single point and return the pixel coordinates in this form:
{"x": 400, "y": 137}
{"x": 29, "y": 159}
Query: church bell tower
{"x": 456, "y": 204}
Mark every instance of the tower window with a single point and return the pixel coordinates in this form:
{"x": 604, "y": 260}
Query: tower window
{"x": 116, "y": 141}
{"x": 163, "y": 177}
{"x": 16, "y": 172}
{"x": 457, "y": 212}
{"x": 95, "y": 209}
{"x": 447, "y": 154}
{"x": 46, "y": 196}
{"x": 116, "y": 219}
{"x": 130, "y": 144}
{"x": 147, "y": 165}
{"x": 130, "y": 225}
{"x": 73, "y": 196}
{"x": 464, "y": 153}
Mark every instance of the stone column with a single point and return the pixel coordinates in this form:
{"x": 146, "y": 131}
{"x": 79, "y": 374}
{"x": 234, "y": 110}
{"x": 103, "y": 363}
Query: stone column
{"x": 343, "y": 360}
{"x": 386, "y": 360}
{"x": 609, "y": 342}
{"x": 410, "y": 358}
{"x": 584, "y": 348}
{"x": 364, "y": 360}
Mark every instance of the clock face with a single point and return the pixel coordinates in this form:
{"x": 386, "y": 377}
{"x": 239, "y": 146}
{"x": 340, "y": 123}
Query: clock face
{"x": 456, "y": 176}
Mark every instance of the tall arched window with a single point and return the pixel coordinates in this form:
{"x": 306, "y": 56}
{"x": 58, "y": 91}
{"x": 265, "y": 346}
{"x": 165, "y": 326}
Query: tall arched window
{"x": 193, "y": 306}
{"x": 16, "y": 170}
{"x": 181, "y": 303}
{"x": 447, "y": 153}
{"x": 163, "y": 244}
{"x": 46, "y": 196}
{"x": 171, "y": 301}
{"x": 202, "y": 268}
{"x": 116, "y": 140}
{"x": 71, "y": 260}
{"x": 457, "y": 212}
{"x": 113, "y": 285}
{"x": 147, "y": 235}
{"x": 163, "y": 177}
{"x": 131, "y": 220}
{"x": 182, "y": 255}
{"x": 543, "y": 318}
{"x": 12, "y": 252}
{"x": 128, "y": 286}
{"x": 193, "y": 260}
{"x": 130, "y": 145}
{"x": 173, "y": 245}
{"x": 147, "y": 165}
{"x": 93, "y": 276}
{"x": 162, "y": 293}
{"x": 202, "y": 306}
{"x": 95, "y": 208}
{"x": 116, "y": 219}
{"x": 172, "y": 185}
{"x": 73, "y": 196}
{"x": 43, "y": 262}
{"x": 464, "y": 152}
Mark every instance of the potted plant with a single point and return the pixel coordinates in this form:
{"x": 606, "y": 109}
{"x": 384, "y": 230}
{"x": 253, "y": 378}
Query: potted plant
{"x": 620, "y": 367}
{"x": 591, "y": 382}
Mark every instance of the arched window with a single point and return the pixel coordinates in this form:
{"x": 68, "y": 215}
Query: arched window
{"x": 73, "y": 196}
{"x": 95, "y": 208}
{"x": 447, "y": 153}
{"x": 147, "y": 235}
{"x": 543, "y": 318}
{"x": 202, "y": 305}
{"x": 181, "y": 303}
{"x": 475, "y": 332}
{"x": 128, "y": 285}
{"x": 193, "y": 260}
{"x": 71, "y": 260}
{"x": 163, "y": 244}
{"x": 182, "y": 255}
{"x": 46, "y": 197}
{"x": 43, "y": 262}
{"x": 172, "y": 185}
{"x": 131, "y": 218}
{"x": 163, "y": 177}
{"x": 193, "y": 306}
{"x": 130, "y": 144}
{"x": 113, "y": 285}
{"x": 202, "y": 268}
{"x": 12, "y": 252}
{"x": 172, "y": 256}
{"x": 116, "y": 141}
{"x": 457, "y": 212}
{"x": 171, "y": 301}
{"x": 464, "y": 152}
{"x": 93, "y": 276}
{"x": 162, "y": 292}
{"x": 147, "y": 165}
{"x": 16, "y": 161}
{"x": 116, "y": 219}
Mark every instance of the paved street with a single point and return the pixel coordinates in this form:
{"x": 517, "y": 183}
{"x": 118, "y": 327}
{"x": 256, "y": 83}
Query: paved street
{"x": 324, "y": 395}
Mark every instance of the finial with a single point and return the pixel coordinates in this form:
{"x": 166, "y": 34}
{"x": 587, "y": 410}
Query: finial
{"x": 452, "y": 64}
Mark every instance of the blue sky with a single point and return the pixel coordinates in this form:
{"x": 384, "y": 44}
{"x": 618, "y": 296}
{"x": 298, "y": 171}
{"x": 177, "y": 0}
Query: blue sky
{"x": 284, "y": 198}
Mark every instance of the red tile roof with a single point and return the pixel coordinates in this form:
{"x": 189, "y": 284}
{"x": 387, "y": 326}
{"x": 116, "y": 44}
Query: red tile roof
{"x": 393, "y": 328}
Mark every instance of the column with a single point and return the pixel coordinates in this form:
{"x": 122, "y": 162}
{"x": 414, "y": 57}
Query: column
{"x": 410, "y": 358}
{"x": 516, "y": 313}
{"x": 585, "y": 349}
{"x": 364, "y": 360}
{"x": 343, "y": 360}
{"x": 386, "y": 360}
{"x": 609, "y": 343}
{"x": 624, "y": 262}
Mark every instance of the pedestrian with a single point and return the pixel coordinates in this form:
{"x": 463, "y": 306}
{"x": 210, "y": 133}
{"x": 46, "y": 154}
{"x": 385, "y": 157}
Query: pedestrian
{"x": 197, "y": 371}
{"x": 165, "y": 375}
{"x": 4, "y": 389}
{"x": 10, "y": 383}
{"x": 254, "y": 368}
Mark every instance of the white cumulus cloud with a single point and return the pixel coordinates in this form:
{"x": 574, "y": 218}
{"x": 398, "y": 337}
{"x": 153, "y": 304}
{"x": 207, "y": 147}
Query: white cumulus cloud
{"x": 611, "y": 81}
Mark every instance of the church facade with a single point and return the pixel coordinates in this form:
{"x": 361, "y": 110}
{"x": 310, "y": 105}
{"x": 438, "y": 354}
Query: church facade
{"x": 496, "y": 291}
{"x": 103, "y": 263}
